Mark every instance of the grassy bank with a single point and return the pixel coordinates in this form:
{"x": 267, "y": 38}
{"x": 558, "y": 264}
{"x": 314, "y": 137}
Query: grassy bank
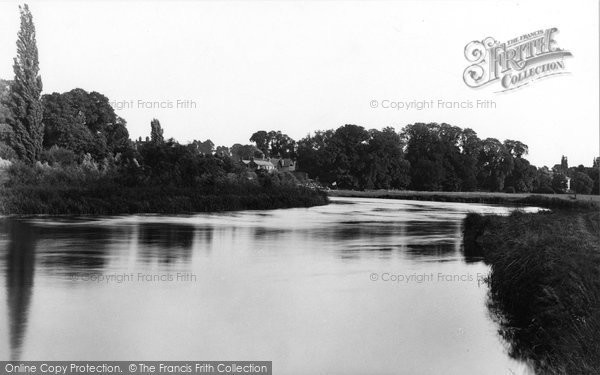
{"x": 544, "y": 285}
{"x": 542, "y": 200}
{"x": 111, "y": 200}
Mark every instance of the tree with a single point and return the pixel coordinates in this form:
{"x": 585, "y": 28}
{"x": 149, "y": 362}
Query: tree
{"x": 117, "y": 136}
{"x": 274, "y": 143}
{"x": 495, "y": 164}
{"x": 223, "y": 151}
{"x": 522, "y": 176}
{"x": 559, "y": 182}
{"x": 6, "y": 132}
{"x": 348, "y": 147}
{"x": 423, "y": 152}
{"x": 261, "y": 140}
{"x": 385, "y": 165}
{"x": 470, "y": 146}
{"x": 171, "y": 164}
{"x": 582, "y": 183}
{"x": 245, "y": 152}
{"x": 83, "y": 123}
{"x": 5, "y": 113}
{"x": 281, "y": 145}
{"x": 542, "y": 182}
{"x": 564, "y": 163}
{"x": 24, "y": 102}
{"x": 156, "y": 132}
{"x": 315, "y": 156}
{"x": 442, "y": 156}
{"x": 594, "y": 174}
{"x": 516, "y": 148}
{"x": 206, "y": 148}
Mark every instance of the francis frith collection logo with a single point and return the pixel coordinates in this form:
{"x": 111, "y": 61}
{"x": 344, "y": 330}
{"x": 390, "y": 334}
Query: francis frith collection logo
{"x": 514, "y": 63}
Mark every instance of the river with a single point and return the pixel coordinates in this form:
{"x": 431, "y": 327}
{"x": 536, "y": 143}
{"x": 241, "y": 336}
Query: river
{"x": 360, "y": 286}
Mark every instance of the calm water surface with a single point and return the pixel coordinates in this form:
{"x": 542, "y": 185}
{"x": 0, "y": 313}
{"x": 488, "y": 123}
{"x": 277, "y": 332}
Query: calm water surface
{"x": 361, "y": 286}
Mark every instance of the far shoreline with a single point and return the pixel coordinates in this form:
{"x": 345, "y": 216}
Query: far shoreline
{"x": 545, "y": 200}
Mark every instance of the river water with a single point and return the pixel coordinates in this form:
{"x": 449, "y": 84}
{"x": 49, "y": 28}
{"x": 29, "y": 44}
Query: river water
{"x": 361, "y": 286}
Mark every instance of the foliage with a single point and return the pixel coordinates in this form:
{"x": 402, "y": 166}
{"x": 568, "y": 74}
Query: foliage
{"x": 582, "y": 183}
{"x": 156, "y": 132}
{"x": 274, "y": 144}
{"x": 92, "y": 188}
{"x": 223, "y": 151}
{"x": 83, "y": 123}
{"x": 559, "y": 183}
{"x": 521, "y": 178}
{"x": 59, "y": 156}
{"x": 23, "y": 101}
{"x": 207, "y": 147}
{"x": 245, "y": 152}
{"x": 352, "y": 157}
{"x": 542, "y": 182}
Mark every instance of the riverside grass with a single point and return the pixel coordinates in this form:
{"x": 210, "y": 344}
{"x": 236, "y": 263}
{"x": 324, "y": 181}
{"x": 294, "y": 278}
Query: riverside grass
{"x": 544, "y": 284}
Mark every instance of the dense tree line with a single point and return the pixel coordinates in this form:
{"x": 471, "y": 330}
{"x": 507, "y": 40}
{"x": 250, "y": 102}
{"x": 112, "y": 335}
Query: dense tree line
{"x": 352, "y": 157}
{"x": 432, "y": 157}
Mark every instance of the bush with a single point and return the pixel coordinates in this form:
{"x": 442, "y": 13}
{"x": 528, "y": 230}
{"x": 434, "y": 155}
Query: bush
{"x": 544, "y": 190}
{"x": 59, "y": 156}
{"x": 509, "y": 189}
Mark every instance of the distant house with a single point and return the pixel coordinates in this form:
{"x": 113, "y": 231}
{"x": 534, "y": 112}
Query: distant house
{"x": 270, "y": 165}
{"x": 283, "y": 165}
{"x": 258, "y": 164}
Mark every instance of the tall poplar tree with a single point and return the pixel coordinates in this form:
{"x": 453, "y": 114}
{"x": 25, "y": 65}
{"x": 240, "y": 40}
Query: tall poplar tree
{"x": 156, "y": 133}
{"x": 24, "y": 102}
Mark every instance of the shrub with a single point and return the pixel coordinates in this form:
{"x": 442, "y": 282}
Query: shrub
{"x": 544, "y": 190}
{"x": 58, "y": 156}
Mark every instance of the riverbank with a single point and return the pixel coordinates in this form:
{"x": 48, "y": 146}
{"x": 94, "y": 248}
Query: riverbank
{"x": 185, "y": 185}
{"x": 544, "y": 284}
{"x": 543, "y": 200}
{"x": 113, "y": 200}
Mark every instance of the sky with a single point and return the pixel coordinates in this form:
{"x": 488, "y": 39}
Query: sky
{"x": 223, "y": 70}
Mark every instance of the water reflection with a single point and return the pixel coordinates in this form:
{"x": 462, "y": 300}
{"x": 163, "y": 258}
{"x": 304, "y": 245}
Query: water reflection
{"x": 72, "y": 246}
{"x": 20, "y": 266}
{"x": 167, "y": 242}
{"x": 281, "y": 280}
{"x": 439, "y": 252}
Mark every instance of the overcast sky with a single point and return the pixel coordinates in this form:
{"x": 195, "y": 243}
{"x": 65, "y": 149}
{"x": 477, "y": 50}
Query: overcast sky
{"x": 302, "y": 66}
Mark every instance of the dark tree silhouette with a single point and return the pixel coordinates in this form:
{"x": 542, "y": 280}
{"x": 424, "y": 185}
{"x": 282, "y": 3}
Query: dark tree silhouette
{"x": 24, "y": 102}
{"x": 156, "y": 132}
